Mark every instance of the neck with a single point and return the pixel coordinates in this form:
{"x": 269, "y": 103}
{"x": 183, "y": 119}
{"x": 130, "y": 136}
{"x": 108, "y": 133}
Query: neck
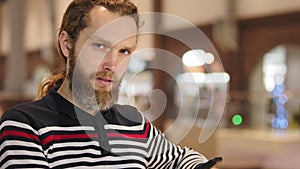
{"x": 65, "y": 91}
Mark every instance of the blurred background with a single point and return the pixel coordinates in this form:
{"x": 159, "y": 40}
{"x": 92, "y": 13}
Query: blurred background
{"x": 256, "y": 51}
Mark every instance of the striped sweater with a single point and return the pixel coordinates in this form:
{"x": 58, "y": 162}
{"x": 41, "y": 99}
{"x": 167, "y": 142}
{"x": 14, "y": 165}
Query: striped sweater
{"x": 53, "y": 133}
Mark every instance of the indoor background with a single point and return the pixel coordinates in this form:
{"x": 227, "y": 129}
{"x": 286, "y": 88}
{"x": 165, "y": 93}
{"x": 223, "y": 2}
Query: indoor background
{"x": 255, "y": 45}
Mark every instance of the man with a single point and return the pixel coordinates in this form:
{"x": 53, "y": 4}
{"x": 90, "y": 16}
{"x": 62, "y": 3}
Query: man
{"x": 76, "y": 123}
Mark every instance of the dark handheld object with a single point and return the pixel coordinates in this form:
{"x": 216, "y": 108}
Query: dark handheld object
{"x": 210, "y": 163}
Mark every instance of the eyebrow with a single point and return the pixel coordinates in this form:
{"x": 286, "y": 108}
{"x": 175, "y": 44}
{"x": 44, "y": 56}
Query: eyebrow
{"x": 101, "y": 39}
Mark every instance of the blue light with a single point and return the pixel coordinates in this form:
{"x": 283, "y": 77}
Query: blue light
{"x": 280, "y": 123}
{"x": 280, "y": 110}
{"x": 280, "y": 99}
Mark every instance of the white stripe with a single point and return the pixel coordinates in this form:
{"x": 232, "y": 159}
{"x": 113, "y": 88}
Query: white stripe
{"x": 73, "y": 160}
{"x": 140, "y": 144}
{"x": 163, "y": 158}
{"x": 129, "y": 142}
{"x": 72, "y": 144}
{"x": 17, "y": 124}
{"x": 93, "y": 160}
{"x": 21, "y": 152}
{"x": 129, "y": 128}
{"x": 15, "y": 162}
{"x": 60, "y": 128}
{"x": 172, "y": 154}
{"x": 112, "y": 166}
{"x": 157, "y": 150}
{"x": 73, "y": 152}
{"x": 126, "y": 150}
{"x": 20, "y": 143}
{"x": 193, "y": 154}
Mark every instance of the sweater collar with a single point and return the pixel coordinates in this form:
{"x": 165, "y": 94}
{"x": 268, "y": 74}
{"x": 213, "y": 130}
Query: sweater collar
{"x": 58, "y": 103}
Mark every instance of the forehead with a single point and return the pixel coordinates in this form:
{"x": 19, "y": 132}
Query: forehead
{"x": 110, "y": 26}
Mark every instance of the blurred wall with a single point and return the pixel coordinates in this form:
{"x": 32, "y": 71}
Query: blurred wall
{"x": 199, "y": 12}
{"x": 203, "y": 12}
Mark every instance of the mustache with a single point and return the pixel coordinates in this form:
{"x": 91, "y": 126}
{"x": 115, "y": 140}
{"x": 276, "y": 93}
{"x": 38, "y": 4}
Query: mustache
{"x": 102, "y": 74}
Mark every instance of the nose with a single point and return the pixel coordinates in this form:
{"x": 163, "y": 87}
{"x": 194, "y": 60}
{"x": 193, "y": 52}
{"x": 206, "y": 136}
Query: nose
{"x": 109, "y": 62}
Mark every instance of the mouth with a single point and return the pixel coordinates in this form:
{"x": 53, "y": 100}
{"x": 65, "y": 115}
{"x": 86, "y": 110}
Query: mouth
{"x": 104, "y": 81}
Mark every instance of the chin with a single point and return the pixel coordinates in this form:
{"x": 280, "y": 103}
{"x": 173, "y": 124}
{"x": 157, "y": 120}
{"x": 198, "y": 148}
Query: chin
{"x": 103, "y": 89}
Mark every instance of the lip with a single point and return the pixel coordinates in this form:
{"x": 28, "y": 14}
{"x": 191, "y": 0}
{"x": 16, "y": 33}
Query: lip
{"x": 104, "y": 81}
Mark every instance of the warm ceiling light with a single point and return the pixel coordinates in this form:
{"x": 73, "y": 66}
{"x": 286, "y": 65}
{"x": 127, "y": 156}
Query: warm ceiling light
{"x": 197, "y": 57}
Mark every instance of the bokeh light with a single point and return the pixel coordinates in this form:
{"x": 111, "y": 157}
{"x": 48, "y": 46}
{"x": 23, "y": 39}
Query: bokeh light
{"x": 237, "y": 119}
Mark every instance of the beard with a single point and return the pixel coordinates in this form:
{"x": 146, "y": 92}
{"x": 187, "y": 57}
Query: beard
{"x": 85, "y": 94}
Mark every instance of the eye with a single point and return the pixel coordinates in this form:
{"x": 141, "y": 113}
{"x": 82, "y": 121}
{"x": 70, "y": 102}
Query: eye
{"x": 98, "y": 45}
{"x": 125, "y": 51}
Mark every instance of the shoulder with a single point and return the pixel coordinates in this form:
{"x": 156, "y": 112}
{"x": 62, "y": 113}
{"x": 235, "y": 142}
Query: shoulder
{"x": 23, "y": 113}
{"x": 126, "y": 109}
{"x": 129, "y": 114}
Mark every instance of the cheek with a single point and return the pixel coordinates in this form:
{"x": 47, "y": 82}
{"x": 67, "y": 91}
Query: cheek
{"x": 90, "y": 60}
{"x": 87, "y": 56}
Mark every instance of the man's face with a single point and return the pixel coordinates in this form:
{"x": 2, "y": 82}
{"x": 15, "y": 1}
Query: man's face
{"x": 102, "y": 54}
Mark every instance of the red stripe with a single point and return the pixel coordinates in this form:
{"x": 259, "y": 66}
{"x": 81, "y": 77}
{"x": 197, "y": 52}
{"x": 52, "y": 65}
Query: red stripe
{"x": 68, "y": 136}
{"x": 19, "y": 134}
{"x": 138, "y": 136}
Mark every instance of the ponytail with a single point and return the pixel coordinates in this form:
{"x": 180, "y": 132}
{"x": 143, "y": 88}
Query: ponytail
{"x": 48, "y": 83}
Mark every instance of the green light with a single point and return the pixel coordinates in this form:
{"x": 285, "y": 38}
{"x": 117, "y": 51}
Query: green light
{"x": 237, "y": 119}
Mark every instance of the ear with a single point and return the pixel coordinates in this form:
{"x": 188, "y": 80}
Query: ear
{"x": 65, "y": 44}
